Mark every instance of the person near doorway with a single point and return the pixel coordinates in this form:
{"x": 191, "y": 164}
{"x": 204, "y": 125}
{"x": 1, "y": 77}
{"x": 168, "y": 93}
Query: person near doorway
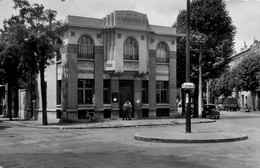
{"x": 127, "y": 110}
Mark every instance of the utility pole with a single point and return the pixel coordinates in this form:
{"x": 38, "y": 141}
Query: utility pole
{"x": 188, "y": 119}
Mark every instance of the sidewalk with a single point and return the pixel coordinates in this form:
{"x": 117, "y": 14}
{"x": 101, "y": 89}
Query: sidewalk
{"x": 106, "y": 124}
{"x": 203, "y": 130}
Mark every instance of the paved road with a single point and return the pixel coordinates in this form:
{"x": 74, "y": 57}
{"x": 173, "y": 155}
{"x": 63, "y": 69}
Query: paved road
{"x": 26, "y": 147}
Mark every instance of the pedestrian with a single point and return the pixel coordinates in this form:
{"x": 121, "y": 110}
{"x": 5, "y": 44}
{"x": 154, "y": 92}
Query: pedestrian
{"x": 127, "y": 109}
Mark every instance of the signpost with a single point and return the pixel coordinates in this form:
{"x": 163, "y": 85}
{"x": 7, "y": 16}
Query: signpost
{"x": 187, "y": 84}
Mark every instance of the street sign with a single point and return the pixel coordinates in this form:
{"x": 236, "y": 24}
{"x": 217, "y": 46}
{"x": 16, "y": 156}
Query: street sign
{"x": 188, "y": 86}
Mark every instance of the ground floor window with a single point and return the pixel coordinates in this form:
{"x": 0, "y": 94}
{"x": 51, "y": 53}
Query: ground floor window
{"x": 58, "y": 92}
{"x": 145, "y": 94}
{"x": 162, "y": 92}
{"x": 106, "y": 96}
{"x": 85, "y": 91}
{"x": 164, "y": 112}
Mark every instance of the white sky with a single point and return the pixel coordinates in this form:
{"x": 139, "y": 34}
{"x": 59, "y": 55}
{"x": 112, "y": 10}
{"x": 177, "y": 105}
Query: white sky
{"x": 245, "y": 13}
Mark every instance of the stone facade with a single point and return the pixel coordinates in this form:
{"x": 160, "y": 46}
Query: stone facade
{"x": 110, "y": 60}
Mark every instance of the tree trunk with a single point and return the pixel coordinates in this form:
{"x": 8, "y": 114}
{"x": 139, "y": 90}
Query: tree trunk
{"x": 183, "y": 102}
{"x": 200, "y": 87}
{"x": 16, "y": 101}
{"x": 253, "y": 99}
{"x": 9, "y": 101}
{"x": 43, "y": 90}
{"x": 208, "y": 94}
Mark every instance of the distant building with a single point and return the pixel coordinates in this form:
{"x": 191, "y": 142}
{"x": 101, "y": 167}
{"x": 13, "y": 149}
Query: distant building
{"x": 105, "y": 62}
{"x": 245, "y": 97}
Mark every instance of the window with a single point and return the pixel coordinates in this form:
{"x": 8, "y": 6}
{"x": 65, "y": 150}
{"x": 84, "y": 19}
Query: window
{"x": 58, "y": 92}
{"x": 131, "y": 51}
{"x": 162, "y": 90}
{"x": 86, "y": 47}
{"x": 85, "y": 91}
{"x": 162, "y": 53}
{"x": 106, "y": 93}
{"x": 145, "y": 92}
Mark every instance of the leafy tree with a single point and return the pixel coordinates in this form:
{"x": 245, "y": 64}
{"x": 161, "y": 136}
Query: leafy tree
{"x": 10, "y": 61}
{"x": 212, "y": 33}
{"x": 248, "y": 73}
{"x": 225, "y": 84}
{"x": 43, "y": 39}
{"x": 40, "y": 41}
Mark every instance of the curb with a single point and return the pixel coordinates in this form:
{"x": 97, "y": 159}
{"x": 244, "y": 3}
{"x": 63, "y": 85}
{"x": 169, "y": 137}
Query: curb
{"x": 237, "y": 137}
{"x": 103, "y": 127}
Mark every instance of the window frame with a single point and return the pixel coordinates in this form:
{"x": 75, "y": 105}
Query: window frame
{"x": 145, "y": 92}
{"x": 131, "y": 49}
{"x": 86, "y": 47}
{"x": 83, "y": 96}
{"x": 162, "y": 92}
{"x": 162, "y": 52}
{"x": 106, "y": 92}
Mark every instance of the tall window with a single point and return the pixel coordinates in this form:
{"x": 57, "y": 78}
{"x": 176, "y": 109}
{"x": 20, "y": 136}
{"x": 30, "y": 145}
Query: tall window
{"x": 59, "y": 92}
{"x": 131, "y": 49}
{"x": 162, "y": 90}
{"x": 106, "y": 95}
{"x": 162, "y": 53}
{"x": 85, "y": 91}
{"x": 145, "y": 91}
{"x": 86, "y": 47}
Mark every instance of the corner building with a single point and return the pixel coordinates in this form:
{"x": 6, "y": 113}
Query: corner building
{"x": 105, "y": 62}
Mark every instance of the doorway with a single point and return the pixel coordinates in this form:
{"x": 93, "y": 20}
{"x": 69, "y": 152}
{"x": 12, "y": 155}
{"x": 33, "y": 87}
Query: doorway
{"x": 125, "y": 93}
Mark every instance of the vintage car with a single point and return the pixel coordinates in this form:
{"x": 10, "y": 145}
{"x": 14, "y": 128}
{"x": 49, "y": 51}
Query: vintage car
{"x": 210, "y": 111}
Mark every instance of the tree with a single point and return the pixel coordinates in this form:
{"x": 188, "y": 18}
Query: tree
{"x": 43, "y": 38}
{"x": 40, "y": 43}
{"x": 224, "y": 86}
{"x": 212, "y": 36}
{"x": 10, "y": 60}
{"x": 248, "y": 74}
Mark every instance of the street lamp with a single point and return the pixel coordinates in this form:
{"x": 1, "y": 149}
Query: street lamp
{"x": 188, "y": 120}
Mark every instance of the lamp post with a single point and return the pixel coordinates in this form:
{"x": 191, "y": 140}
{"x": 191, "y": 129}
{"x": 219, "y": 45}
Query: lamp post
{"x": 188, "y": 120}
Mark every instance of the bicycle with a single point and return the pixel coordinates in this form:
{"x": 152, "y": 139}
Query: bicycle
{"x": 91, "y": 117}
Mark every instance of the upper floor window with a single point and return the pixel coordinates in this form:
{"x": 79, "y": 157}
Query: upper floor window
{"x": 86, "y": 47}
{"x": 131, "y": 49}
{"x": 162, "y": 53}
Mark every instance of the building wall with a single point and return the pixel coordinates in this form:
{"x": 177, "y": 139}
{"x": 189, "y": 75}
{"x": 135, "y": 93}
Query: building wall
{"x": 245, "y": 97}
{"x": 109, "y": 64}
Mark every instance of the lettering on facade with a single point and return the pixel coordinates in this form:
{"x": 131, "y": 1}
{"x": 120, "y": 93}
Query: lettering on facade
{"x": 162, "y": 70}
{"x": 134, "y": 19}
{"x": 131, "y": 18}
{"x": 131, "y": 65}
{"x": 85, "y": 67}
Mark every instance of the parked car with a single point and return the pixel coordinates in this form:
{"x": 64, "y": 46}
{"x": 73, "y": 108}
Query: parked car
{"x": 230, "y": 104}
{"x": 210, "y": 111}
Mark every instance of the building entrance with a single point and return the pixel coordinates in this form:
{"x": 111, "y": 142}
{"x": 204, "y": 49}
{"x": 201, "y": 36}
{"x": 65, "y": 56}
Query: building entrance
{"x": 125, "y": 93}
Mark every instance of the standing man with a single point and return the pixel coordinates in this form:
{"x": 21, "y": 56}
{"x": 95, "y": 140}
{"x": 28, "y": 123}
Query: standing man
{"x": 127, "y": 110}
